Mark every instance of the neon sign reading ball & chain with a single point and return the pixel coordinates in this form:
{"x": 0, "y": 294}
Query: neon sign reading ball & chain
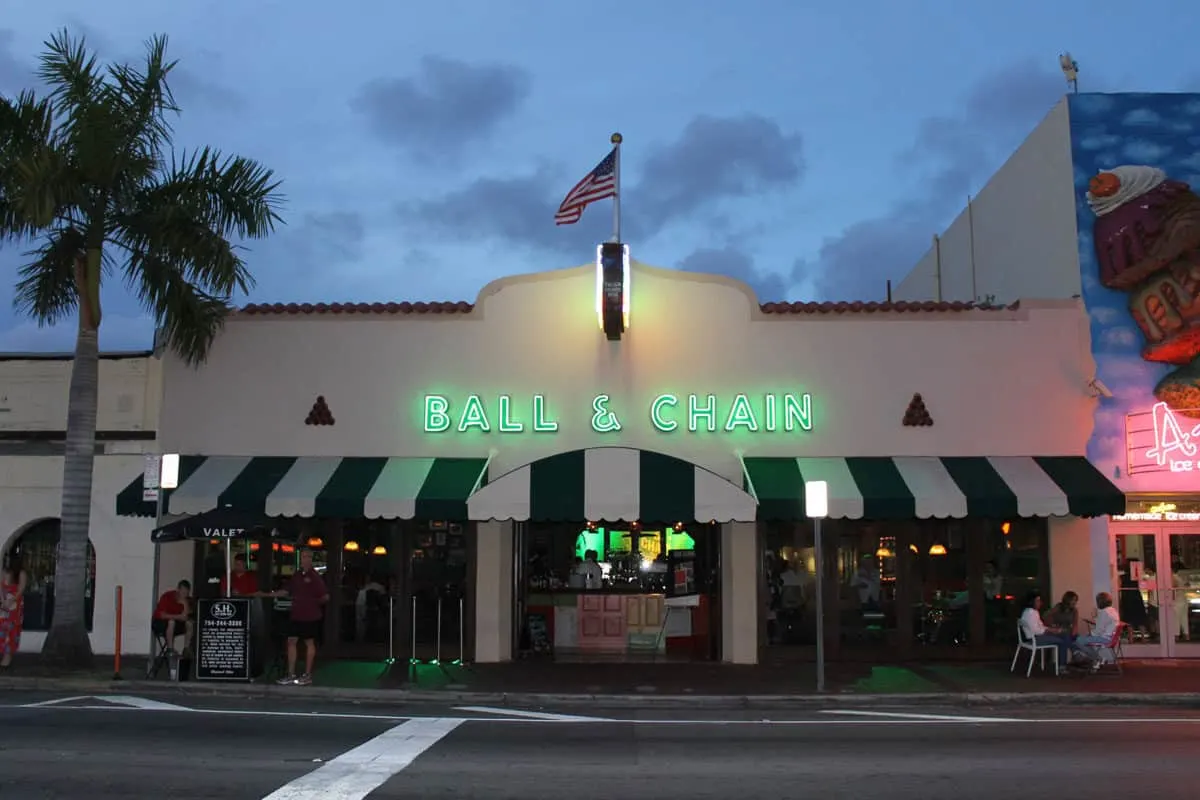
{"x": 667, "y": 413}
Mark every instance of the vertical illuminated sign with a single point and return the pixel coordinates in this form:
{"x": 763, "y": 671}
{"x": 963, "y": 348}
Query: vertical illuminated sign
{"x": 612, "y": 289}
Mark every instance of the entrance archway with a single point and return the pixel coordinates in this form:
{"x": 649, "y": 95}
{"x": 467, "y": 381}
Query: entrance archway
{"x": 36, "y": 545}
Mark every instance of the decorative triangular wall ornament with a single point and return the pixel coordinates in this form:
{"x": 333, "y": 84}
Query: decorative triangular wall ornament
{"x": 320, "y": 413}
{"x": 917, "y": 415}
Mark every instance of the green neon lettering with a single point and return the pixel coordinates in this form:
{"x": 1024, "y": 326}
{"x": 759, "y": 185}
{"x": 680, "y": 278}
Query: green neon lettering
{"x": 473, "y": 416}
{"x": 661, "y": 403}
{"x": 771, "y": 414}
{"x": 505, "y": 423}
{"x": 741, "y": 415}
{"x": 603, "y": 419}
{"x": 540, "y": 423}
{"x": 436, "y": 418}
{"x": 706, "y": 412}
{"x": 797, "y": 412}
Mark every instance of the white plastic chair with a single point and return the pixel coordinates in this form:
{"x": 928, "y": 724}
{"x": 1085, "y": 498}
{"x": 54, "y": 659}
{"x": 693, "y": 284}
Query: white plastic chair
{"x": 1025, "y": 641}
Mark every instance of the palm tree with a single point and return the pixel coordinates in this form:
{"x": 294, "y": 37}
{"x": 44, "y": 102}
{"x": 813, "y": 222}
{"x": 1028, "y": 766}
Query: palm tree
{"x": 88, "y": 174}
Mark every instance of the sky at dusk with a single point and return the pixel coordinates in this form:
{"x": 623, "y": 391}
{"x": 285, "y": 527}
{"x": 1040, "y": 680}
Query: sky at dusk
{"x": 425, "y": 147}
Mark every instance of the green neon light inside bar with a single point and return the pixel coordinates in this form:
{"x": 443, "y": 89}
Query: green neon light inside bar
{"x": 694, "y": 413}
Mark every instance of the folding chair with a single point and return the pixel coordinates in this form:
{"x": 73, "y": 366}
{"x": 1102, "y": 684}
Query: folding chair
{"x": 1026, "y": 641}
{"x": 161, "y": 655}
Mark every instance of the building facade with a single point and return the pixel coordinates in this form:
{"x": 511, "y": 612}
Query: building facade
{"x": 458, "y": 467}
{"x": 1100, "y": 203}
{"x": 33, "y": 414}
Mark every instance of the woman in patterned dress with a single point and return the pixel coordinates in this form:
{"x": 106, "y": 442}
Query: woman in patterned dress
{"x": 12, "y": 608}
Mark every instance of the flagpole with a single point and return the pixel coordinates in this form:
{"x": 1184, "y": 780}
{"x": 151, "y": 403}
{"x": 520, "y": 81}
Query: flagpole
{"x": 616, "y": 141}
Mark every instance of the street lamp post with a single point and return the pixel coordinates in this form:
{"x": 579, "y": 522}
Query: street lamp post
{"x": 816, "y": 508}
{"x": 168, "y": 478}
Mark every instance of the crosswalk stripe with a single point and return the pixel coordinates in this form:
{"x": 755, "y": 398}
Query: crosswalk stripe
{"x": 359, "y": 771}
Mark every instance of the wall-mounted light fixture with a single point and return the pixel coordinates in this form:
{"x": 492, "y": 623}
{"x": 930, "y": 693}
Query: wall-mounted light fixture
{"x": 612, "y": 289}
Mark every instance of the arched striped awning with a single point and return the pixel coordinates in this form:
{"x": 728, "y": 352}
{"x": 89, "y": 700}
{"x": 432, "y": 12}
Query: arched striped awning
{"x": 611, "y": 484}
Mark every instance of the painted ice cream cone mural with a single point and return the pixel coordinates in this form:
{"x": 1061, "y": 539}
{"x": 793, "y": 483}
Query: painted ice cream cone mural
{"x": 1147, "y": 240}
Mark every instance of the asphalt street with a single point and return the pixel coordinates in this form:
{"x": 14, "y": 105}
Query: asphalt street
{"x": 108, "y": 747}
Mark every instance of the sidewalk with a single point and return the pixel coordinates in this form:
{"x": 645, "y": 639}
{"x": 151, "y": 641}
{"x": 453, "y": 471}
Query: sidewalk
{"x": 643, "y": 684}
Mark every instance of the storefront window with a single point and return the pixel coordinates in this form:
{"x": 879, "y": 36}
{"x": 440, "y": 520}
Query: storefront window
{"x": 790, "y": 575}
{"x": 37, "y": 547}
{"x": 866, "y": 577}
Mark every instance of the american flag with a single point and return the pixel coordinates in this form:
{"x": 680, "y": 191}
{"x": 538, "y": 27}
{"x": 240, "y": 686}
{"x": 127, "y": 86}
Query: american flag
{"x": 599, "y": 184}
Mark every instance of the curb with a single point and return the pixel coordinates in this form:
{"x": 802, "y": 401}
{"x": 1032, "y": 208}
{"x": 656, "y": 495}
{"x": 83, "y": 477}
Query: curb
{"x": 395, "y": 697}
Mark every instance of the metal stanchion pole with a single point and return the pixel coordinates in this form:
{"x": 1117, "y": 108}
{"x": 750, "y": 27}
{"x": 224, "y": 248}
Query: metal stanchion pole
{"x": 413, "y": 632}
{"x": 819, "y": 557}
{"x": 461, "y": 656}
{"x": 229, "y": 568}
{"x": 437, "y": 658}
{"x": 391, "y": 628}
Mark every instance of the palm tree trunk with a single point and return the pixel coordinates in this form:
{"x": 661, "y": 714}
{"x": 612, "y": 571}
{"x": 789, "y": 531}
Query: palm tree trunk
{"x": 67, "y": 643}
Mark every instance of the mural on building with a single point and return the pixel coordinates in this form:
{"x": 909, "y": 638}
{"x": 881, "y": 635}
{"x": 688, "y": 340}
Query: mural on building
{"x": 1137, "y": 179}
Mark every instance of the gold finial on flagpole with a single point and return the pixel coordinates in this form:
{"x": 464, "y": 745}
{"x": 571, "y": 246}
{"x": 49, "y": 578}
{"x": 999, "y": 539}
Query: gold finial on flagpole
{"x": 616, "y": 138}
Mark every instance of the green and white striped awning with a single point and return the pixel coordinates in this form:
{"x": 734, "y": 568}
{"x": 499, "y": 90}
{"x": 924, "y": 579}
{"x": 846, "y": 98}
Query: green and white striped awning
{"x": 923, "y": 487}
{"x": 611, "y": 484}
{"x": 388, "y": 488}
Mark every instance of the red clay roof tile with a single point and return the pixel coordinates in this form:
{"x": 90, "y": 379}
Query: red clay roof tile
{"x": 463, "y": 307}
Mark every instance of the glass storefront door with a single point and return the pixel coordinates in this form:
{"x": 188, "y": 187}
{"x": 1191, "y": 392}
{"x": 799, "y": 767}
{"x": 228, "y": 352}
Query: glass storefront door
{"x": 1158, "y": 588}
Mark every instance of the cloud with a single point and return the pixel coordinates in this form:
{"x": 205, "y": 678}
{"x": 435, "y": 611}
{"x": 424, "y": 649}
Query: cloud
{"x": 1144, "y": 152}
{"x": 15, "y": 74}
{"x": 734, "y": 263}
{"x": 315, "y": 254}
{"x": 1098, "y": 142}
{"x": 956, "y": 154}
{"x": 1141, "y": 117}
{"x": 192, "y": 90}
{"x": 714, "y": 160}
{"x": 446, "y": 105}
{"x": 1122, "y": 338}
{"x": 1105, "y": 315}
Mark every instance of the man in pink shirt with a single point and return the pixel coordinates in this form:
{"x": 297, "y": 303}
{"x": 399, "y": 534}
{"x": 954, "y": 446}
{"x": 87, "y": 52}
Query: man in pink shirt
{"x": 306, "y": 618}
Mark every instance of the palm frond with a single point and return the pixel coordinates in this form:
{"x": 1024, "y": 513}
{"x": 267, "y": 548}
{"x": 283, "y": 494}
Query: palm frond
{"x": 26, "y": 129}
{"x": 147, "y": 99}
{"x": 167, "y": 241}
{"x": 236, "y": 197}
{"x": 46, "y": 290}
{"x": 189, "y": 317}
{"x": 71, "y": 72}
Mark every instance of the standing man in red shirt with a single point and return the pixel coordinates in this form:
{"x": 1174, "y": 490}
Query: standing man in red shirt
{"x": 309, "y": 596}
{"x": 245, "y": 584}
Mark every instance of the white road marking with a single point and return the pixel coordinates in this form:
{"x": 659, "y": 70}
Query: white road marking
{"x": 826, "y": 721}
{"x": 55, "y": 701}
{"x": 920, "y": 717}
{"x": 356, "y": 773}
{"x": 140, "y": 703}
{"x": 539, "y": 715}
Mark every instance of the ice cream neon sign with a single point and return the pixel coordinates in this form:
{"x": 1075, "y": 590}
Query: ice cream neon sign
{"x": 668, "y": 413}
{"x": 1174, "y": 446}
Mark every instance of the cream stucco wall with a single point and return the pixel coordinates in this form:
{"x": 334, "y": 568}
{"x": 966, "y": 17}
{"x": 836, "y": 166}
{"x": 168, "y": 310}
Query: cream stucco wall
{"x": 1008, "y": 382}
{"x": 1018, "y": 237}
{"x": 33, "y": 401}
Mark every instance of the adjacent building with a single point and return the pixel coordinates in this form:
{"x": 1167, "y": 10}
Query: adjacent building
{"x": 1100, "y": 203}
{"x": 33, "y": 416}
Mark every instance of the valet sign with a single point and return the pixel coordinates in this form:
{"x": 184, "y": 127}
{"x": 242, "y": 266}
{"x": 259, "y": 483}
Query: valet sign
{"x": 1163, "y": 440}
{"x": 665, "y": 413}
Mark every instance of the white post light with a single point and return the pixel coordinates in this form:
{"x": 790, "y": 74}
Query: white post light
{"x": 816, "y": 508}
{"x": 168, "y": 476}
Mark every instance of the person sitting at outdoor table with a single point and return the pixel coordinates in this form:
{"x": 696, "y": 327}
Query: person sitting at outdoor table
{"x": 171, "y": 616}
{"x": 1103, "y": 630}
{"x": 1065, "y": 614}
{"x": 1041, "y": 634}
{"x": 245, "y": 584}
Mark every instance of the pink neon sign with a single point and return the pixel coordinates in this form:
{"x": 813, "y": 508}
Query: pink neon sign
{"x": 1162, "y": 440}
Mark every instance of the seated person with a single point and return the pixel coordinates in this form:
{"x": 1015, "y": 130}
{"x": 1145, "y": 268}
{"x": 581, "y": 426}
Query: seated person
{"x": 171, "y": 615}
{"x": 1105, "y": 626}
{"x": 1036, "y": 629}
